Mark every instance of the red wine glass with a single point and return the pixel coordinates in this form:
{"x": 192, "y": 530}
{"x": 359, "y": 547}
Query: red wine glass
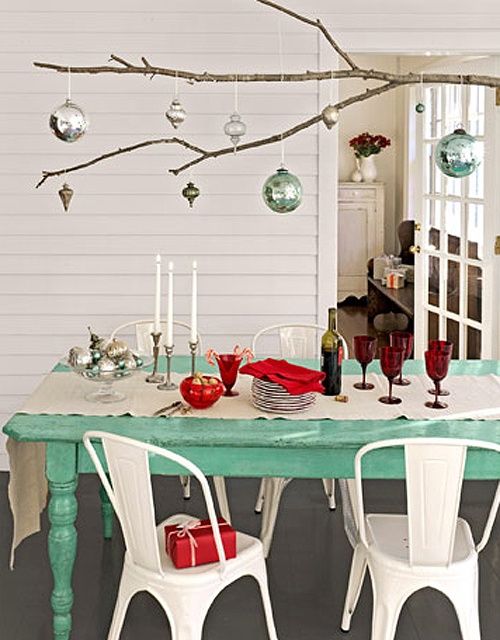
{"x": 365, "y": 348}
{"x": 402, "y": 340}
{"x": 391, "y": 362}
{"x": 436, "y": 365}
{"x": 229, "y": 364}
{"x": 447, "y": 347}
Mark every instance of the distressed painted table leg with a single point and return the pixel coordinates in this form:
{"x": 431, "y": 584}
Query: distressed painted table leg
{"x": 62, "y": 477}
{"x": 107, "y": 514}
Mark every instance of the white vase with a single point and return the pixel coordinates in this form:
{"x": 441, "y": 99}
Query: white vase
{"x": 368, "y": 169}
{"x": 356, "y": 175}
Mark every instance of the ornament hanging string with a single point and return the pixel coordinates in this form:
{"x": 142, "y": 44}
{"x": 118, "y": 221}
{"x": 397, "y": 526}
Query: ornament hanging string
{"x": 236, "y": 93}
{"x": 69, "y": 83}
{"x": 280, "y": 54}
{"x": 330, "y": 87}
{"x": 176, "y": 85}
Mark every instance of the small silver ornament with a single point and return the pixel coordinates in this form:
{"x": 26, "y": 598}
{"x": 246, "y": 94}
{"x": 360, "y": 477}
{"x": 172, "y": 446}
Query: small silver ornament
{"x": 235, "y": 128}
{"x": 79, "y": 358}
{"x": 420, "y": 107}
{"x": 176, "y": 113}
{"x": 138, "y": 361}
{"x": 129, "y": 362}
{"x": 190, "y": 192}
{"x": 116, "y": 349}
{"x": 68, "y": 122}
{"x": 106, "y": 365}
{"x": 330, "y": 115}
{"x": 65, "y": 193}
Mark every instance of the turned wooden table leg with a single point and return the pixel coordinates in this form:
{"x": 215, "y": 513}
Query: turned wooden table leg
{"x": 106, "y": 514}
{"x": 63, "y": 507}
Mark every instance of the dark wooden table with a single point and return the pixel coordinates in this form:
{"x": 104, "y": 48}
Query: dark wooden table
{"x": 383, "y": 300}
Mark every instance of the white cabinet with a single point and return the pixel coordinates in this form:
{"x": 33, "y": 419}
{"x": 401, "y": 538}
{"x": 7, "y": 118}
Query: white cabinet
{"x": 360, "y": 234}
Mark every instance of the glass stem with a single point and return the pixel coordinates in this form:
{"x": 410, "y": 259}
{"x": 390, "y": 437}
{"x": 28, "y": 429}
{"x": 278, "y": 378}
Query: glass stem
{"x": 436, "y": 394}
{"x": 390, "y": 388}
{"x": 363, "y": 369}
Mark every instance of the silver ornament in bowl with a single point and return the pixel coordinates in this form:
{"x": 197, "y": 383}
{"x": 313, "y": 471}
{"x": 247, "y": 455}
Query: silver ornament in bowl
{"x": 68, "y": 122}
{"x": 79, "y": 358}
{"x": 116, "y": 349}
{"x": 129, "y": 362}
{"x": 106, "y": 365}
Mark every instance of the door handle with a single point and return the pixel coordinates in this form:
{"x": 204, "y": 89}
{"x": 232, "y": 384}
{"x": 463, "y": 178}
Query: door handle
{"x": 417, "y": 226}
{"x": 415, "y": 248}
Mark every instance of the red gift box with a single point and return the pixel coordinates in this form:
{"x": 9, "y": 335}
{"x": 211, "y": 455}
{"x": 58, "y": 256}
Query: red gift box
{"x": 192, "y": 543}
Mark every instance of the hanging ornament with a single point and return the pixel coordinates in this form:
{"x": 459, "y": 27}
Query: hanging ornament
{"x": 282, "y": 192}
{"x": 68, "y": 122}
{"x": 65, "y": 193}
{"x": 190, "y": 192}
{"x": 420, "y": 106}
{"x": 458, "y": 155}
{"x": 330, "y": 115}
{"x": 176, "y": 113}
{"x": 235, "y": 128}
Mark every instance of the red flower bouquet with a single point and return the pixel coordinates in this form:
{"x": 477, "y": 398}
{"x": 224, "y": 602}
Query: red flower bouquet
{"x": 367, "y": 144}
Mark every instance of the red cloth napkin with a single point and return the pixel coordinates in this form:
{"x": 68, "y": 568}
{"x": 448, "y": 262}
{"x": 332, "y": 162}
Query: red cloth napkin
{"x": 292, "y": 377}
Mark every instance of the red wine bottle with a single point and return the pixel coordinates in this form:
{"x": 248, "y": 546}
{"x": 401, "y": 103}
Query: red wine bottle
{"x": 331, "y": 356}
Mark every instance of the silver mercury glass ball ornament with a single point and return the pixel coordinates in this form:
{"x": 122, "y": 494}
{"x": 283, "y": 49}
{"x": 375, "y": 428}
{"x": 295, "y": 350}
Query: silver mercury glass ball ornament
{"x": 176, "y": 113}
{"x": 330, "y": 115}
{"x": 457, "y": 155}
{"x": 282, "y": 192}
{"x": 68, "y": 122}
{"x": 420, "y": 107}
{"x": 235, "y": 128}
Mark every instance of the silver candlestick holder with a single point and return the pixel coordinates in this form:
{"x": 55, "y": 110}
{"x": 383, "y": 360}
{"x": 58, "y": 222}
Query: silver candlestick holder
{"x": 168, "y": 385}
{"x": 193, "y": 348}
{"x": 155, "y": 377}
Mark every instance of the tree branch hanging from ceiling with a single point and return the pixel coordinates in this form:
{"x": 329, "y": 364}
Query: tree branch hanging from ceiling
{"x": 390, "y": 81}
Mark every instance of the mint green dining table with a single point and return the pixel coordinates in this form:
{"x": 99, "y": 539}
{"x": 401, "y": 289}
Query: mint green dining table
{"x": 233, "y": 448}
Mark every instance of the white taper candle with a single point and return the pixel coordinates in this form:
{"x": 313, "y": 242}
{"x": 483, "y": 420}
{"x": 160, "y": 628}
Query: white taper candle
{"x": 157, "y": 326}
{"x": 194, "y": 304}
{"x": 170, "y": 306}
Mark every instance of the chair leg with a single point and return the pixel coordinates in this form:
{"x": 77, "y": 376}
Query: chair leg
{"x": 261, "y": 577}
{"x": 356, "y": 579}
{"x": 260, "y": 498}
{"x": 387, "y": 605}
{"x": 329, "y": 488}
{"x": 273, "y": 488}
{"x": 221, "y": 493}
{"x": 125, "y": 593}
{"x": 186, "y": 486}
{"x": 465, "y": 599}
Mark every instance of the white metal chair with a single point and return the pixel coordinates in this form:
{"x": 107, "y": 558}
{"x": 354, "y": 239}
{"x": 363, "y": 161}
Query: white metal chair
{"x": 430, "y": 546}
{"x": 144, "y": 344}
{"x": 143, "y": 330}
{"x": 296, "y": 341}
{"x": 186, "y": 594}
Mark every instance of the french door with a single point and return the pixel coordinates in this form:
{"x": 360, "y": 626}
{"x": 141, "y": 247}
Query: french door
{"x": 450, "y": 227}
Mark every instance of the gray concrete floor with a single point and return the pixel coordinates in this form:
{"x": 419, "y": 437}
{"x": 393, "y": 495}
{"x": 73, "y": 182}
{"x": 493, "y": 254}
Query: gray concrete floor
{"x": 308, "y": 570}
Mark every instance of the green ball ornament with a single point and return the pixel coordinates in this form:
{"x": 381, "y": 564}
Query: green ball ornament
{"x": 282, "y": 192}
{"x": 420, "y": 107}
{"x": 457, "y": 155}
{"x": 96, "y": 356}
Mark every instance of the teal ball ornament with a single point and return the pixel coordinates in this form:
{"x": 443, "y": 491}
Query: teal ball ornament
{"x": 457, "y": 155}
{"x": 420, "y": 107}
{"x": 282, "y": 192}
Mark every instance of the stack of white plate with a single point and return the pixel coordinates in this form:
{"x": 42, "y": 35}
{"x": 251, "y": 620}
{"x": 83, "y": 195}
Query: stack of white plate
{"x": 272, "y": 397}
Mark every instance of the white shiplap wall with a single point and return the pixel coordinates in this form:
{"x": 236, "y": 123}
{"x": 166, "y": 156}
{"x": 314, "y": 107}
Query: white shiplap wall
{"x": 60, "y": 272}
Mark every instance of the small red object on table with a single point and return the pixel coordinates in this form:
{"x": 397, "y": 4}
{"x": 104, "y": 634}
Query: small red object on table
{"x": 192, "y": 543}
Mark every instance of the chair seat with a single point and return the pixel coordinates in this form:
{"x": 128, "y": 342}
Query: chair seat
{"x": 248, "y": 549}
{"x": 388, "y": 533}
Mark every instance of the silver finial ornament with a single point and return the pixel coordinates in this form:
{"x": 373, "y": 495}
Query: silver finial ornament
{"x": 190, "y": 192}
{"x": 65, "y": 193}
{"x": 235, "y": 128}
{"x": 176, "y": 113}
{"x": 330, "y": 115}
{"x": 68, "y": 122}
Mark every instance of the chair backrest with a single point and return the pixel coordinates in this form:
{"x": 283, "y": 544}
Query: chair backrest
{"x": 296, "y": 340}
{"x": 434, "y": 477}
{"x": 143, "y": 330}
{"x": 131, "y": 493}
